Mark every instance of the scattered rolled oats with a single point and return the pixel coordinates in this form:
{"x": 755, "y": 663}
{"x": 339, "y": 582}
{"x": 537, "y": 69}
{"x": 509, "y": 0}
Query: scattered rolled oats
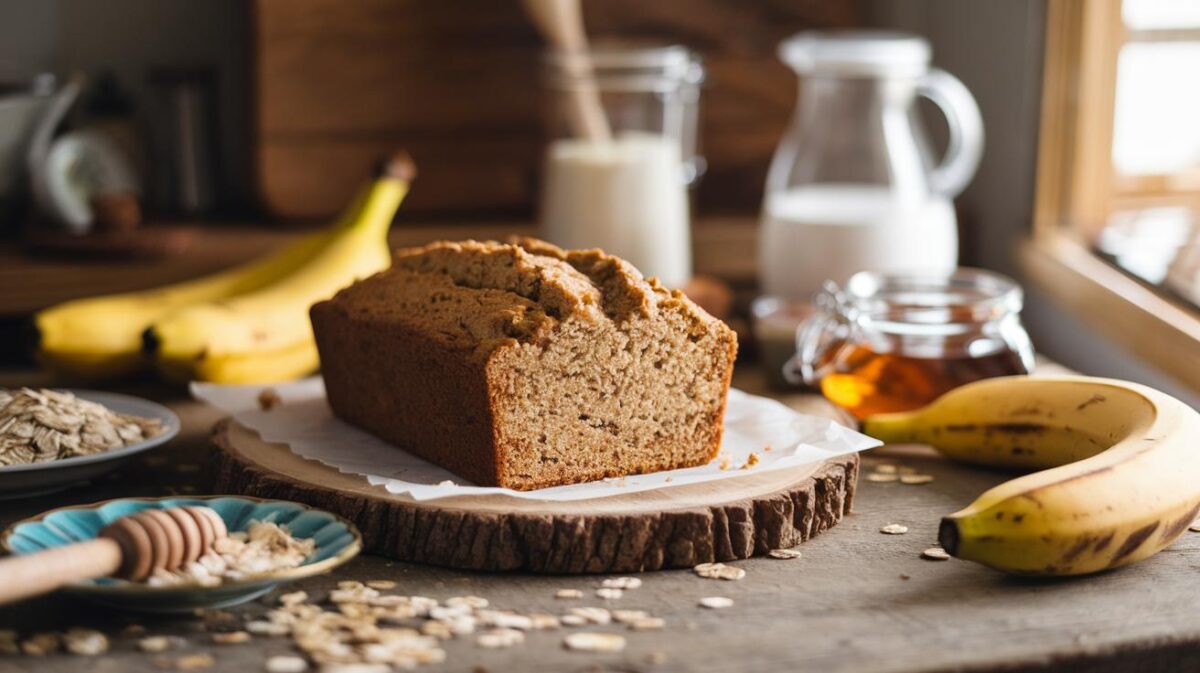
{"x": 935, "y": 554}
{"x": 85, "y": 642}
{"x": 155, "y": 644}
{"x": 504, "y": 620}
{"x": 647, "y": 624}
{"x": 894, "y": 529}
{"x": 568, "y": 593}
{"x": 716, "y": 602}
{"x": 231, "y": 638}
{"x": 498, "y": 638}
{"x": 882, "y": 477}
{"x": 572, "y": 620}
{"x": 356, "y": 593}
{"x": 439, "y": 630}
{"x": 38, "y": 426}
{"x": 609, "y": 594}
{"x": 544, "y": 622}
{"x": 589, "y": 641}
{"x": 621, "y": 583}
{"x": 473, "y": 602}
{"x": 886, "y": 468}
{"x": 916, "y": 479}
{"x": 592, "y": 615}
{"x": 628, "y": 616}
{"x": 294, "y": 598}
{"x": 194, "y": 662}
{"x": 266, "y": 628}
{"x": 382, "y": 585}
{"x": 784, "y": 553}
{"x": 286, "y": 664}
{"x": 719, "y": 571}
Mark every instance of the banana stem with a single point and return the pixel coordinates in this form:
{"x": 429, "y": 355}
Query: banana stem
{"x": 890, "y": 428}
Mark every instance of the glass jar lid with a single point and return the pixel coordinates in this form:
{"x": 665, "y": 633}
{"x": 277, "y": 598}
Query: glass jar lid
{"x": 964, "y": 296}
{"x": 625, "y": 67}
{"x": 857, "y": 52}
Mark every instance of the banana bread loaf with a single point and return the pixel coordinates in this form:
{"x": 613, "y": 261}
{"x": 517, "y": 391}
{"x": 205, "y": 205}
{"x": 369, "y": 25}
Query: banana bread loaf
{"x": 525, "y": 366}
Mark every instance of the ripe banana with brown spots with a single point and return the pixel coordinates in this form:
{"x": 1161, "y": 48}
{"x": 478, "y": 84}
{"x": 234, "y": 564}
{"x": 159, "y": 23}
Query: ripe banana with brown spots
{"x": 1119, "y": 479}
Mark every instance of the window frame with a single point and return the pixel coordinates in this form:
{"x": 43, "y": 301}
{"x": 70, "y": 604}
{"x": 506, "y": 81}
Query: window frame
{"x": 1076, "y": 190}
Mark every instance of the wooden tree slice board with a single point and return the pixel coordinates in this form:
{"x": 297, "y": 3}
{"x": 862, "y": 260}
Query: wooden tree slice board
{"x": 674, "y": 527}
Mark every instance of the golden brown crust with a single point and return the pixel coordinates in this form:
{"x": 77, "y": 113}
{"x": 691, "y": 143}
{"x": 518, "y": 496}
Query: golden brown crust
{"x": 579, "y": 367}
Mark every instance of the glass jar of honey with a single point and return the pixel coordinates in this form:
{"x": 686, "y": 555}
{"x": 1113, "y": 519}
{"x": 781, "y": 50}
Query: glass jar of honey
{"x": 896, "y": 342}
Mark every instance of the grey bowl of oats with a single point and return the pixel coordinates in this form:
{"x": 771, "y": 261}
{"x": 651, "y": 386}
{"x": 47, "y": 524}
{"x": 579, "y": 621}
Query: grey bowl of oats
{"x": 53, "y": 439}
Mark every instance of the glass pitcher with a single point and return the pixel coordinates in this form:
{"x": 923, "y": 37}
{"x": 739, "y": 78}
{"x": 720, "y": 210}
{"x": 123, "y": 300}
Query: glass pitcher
{"x": 853, "y": 185}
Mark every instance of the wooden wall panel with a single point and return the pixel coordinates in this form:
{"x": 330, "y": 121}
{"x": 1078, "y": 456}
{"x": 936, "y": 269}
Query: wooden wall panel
{"x": 339, "y": 83}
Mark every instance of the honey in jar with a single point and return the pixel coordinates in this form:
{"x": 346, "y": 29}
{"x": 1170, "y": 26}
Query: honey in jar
{"x": 897, "y": 342}
{"x": 867, "y": 383}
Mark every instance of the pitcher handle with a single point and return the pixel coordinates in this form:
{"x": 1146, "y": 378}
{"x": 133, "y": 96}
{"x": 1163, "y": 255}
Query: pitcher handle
{"x": 965, "y": 148}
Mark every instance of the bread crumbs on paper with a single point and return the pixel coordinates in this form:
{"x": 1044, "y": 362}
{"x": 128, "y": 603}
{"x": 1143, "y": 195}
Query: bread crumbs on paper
{"x": 751, "y": 461}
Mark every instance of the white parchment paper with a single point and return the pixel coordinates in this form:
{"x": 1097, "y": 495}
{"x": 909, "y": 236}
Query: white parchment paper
{"x": 304, "y": 422}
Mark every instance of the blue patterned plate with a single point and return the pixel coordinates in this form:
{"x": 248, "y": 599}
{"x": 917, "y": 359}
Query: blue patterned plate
{"x": 337, "y": 541}
{"x": 18, "y": 481}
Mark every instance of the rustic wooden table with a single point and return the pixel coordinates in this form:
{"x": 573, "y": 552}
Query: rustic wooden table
{"x": 856, "y": 601}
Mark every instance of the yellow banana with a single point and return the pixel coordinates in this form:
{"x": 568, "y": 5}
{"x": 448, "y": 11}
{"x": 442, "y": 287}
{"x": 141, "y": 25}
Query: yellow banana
{"x": 101, "y": 337}
{"x": 265, "y": 336}
{"x": 1123, "y": 479}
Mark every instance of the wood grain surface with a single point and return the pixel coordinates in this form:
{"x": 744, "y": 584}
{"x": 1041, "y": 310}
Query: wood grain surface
{"x": 677, "y": 527}
{"x": 337, "y": 84}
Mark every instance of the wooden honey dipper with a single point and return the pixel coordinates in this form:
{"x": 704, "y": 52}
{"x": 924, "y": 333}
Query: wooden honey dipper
{"x": 132, "y": 548}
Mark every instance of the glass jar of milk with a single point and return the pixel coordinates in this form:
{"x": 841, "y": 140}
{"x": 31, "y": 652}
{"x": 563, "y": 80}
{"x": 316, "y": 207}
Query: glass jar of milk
{"x": 624, "y": 192}
{"x": 852, "y": 186}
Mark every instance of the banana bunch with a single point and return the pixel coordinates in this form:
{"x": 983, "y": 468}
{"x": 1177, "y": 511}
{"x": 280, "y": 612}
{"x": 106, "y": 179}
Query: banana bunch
{"x": 1119, "y": 475}
{"x": 245, "y": 325}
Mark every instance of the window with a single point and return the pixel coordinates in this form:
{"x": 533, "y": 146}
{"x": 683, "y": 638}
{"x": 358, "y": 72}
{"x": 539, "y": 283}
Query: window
{"x": 1118, "y": 187}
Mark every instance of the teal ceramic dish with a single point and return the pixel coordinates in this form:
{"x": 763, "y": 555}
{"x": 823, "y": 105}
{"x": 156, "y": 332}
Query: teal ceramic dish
{"x": 18, "y": 481}
{"x": 337, "y": 541}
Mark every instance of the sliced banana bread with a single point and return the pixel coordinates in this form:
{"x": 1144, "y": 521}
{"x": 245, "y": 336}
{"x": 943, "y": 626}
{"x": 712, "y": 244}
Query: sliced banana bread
{"x": 523, "y": 365}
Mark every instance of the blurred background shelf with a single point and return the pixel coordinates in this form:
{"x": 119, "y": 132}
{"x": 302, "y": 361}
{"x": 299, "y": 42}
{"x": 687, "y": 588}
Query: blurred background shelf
{"x": 723, "y": 246}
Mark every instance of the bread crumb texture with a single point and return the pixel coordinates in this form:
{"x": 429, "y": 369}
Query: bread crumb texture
{"x": 523, "y": 365}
